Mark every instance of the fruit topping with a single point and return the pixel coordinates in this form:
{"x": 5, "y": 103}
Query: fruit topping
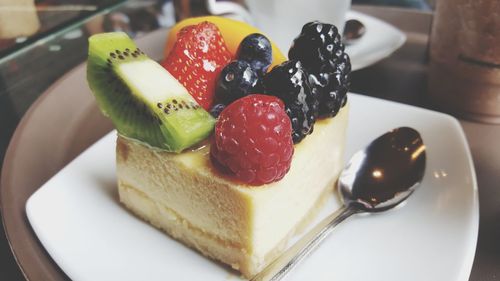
{"x": 321, "y": 52}
{"x": 253, "y": 140}
{"x": 256, "y": 50}
{"x": 196, "y": 59}
{"x": 236, "y": 80}
{"x": 142, "y": 99}
{"x": 217, "y": 109}
{"x": 233, "y": 32}
{"x": 331, "y": 89}
{"x": 289, "y": 82}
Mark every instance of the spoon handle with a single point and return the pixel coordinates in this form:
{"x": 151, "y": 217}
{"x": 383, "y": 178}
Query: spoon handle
{"x": 291, "y": 257}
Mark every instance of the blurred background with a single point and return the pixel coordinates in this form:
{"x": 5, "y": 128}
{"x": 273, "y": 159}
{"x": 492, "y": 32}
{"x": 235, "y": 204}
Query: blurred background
{"x": 59, "y": 23}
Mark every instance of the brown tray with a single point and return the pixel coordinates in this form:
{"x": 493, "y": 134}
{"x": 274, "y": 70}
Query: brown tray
{"x": 56, "y": 128}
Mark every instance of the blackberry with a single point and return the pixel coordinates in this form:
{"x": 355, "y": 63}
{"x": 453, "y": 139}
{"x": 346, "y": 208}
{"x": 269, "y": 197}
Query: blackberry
{"x": 236, "y": 80}
{"x": 320, "y": 50}
{"x": 330, "y": 87}
{"x": 289, "y": 82}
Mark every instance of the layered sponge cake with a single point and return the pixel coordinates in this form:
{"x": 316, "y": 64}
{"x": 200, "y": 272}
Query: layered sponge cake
{"x": 244, "y": 227}
{"x": 221, "y": 152}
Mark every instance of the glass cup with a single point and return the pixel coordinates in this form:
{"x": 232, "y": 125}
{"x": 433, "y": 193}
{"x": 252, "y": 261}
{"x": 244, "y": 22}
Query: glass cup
{"x": 464, "y": 69}
{"x": 281, "y": 20}
{"x": 18, "y": 18}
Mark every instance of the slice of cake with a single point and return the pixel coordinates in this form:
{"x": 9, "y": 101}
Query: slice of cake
{"x": 237, "y": 183}
{"x": 239, "y": 225}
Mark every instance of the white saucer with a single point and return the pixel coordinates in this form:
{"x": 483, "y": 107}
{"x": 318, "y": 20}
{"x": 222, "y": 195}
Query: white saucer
{"x": 379, "y": 41}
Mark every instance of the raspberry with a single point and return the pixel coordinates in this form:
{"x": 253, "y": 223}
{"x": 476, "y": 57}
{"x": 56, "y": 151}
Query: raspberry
{"x": 253, "y": 140}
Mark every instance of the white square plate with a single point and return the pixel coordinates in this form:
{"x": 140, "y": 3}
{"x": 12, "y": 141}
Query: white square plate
{"x": 78, "y": 219}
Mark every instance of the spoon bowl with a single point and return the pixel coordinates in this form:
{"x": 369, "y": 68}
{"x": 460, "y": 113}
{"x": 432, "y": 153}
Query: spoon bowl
{"x": 385, "y": 173}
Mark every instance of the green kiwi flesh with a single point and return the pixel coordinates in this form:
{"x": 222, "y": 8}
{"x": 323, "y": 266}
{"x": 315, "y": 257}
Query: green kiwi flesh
{"x": 144, "y": 101}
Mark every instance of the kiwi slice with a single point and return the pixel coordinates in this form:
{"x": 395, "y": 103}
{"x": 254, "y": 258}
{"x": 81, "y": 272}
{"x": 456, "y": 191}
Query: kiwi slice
{"x": 144, "y": 101}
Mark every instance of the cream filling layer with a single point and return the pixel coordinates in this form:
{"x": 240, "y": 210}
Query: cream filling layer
{"x": 169, "y": 221}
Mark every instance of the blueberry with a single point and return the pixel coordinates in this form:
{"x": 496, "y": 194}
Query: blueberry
{"x": 236, "y": 80}
{"x": 217, "y": 109}
{"x": 256, "y": 49}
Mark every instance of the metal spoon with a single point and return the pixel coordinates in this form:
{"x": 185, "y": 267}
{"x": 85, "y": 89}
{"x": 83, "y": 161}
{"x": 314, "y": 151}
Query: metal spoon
{"x": 376, "y": 179}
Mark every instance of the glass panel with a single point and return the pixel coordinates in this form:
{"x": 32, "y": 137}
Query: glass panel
{"x": 26, "y": 21}
{"x": 29, "y": 64}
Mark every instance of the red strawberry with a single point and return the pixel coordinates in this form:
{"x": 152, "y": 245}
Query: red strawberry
{"x": 253, "y": 140}
{"x": 196, "y": 59}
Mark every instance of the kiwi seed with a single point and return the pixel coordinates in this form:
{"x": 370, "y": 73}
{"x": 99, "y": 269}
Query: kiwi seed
{"x": 138, "y": 109}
